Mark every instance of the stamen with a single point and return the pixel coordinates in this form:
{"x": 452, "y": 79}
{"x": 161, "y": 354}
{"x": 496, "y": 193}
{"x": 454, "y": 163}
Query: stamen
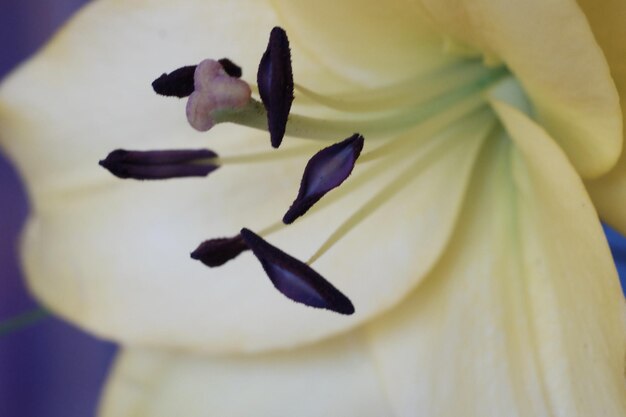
{"x": 295, "y": 279}
{"x": 275, "y": 81}
{"x": 160, "y": 165}
{"x": 216, "y": 252}
{"x": 231, "y": 247}
{"x": 399, "y": 183}
{"x": 326, "y": 170}
{"x": 178, "y": 83}
{"x": 214, "y": 91}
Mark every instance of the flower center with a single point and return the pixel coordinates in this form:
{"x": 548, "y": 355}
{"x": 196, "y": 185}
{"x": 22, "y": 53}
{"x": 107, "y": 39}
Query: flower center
{"x": 410, "y": 124}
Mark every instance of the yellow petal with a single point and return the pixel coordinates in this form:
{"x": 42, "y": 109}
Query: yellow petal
{"x": 112, "y": 256}
{"x": 362, "y": 41}
{"x": 607, "y": 18}
{"x": 607, "y": 22}
{"x": 609, "y": 195}
{"x": 335, "y": 379}
{"x": 115, "y": 259}
{"x": 549, "y": 46}
{"x": 524, "y": 315}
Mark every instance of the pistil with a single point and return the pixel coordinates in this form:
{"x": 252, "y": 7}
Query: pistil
{"x": 215, "y": 91}
{"x": 373, "y": 127}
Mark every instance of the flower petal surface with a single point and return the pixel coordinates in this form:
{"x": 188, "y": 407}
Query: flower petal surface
{"x": 523, "y": 316}
{"x": 362, "y": 41}
{"x": 113, "y": 256}
{"x": 547, "y": 45}
{"x": 333, "y": 379}
{"x": 607, "y": 22}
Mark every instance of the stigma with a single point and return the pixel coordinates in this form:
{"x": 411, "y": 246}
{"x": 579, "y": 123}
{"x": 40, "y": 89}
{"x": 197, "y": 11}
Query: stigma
{"x": 391, "y": 123}
{"x": 214, "y": 91}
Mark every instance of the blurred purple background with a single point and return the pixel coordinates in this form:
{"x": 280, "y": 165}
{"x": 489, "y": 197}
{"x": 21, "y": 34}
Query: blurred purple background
{"x": 50, "y": 368}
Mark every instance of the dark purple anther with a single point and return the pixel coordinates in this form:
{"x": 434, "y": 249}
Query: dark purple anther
{"x": 295, "y": 279}
{"x": 275, "y": 80}
{"x": 326, "y": 170}
{"x": 178, "y": 83}
{"x": 216, "y": 252}
{"x": 160, "y": 165}
{"x": 230, "y": 67}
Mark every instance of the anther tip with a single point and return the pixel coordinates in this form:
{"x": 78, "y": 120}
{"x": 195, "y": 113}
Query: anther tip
{"x": 230, "y": 68}
{"x": 216, "y": 252}
{"x": 346, "y": 308}
{"x": 178, "y": 83}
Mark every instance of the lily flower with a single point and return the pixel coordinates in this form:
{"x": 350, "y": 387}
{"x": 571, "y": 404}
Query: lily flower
{"x": 463, "y": 232}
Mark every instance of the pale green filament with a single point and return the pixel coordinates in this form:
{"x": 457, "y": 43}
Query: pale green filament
{"x": 420, "y": 122}
{"x": 430, "y": 127}
{"x": 271, "y": 229}
{"x": 383, "y": 125}
{"x": 399, "y": 183}
{"x": 420, "y": 140}
{"x": 408, "y": 93}
{"x": 267, "y": 156}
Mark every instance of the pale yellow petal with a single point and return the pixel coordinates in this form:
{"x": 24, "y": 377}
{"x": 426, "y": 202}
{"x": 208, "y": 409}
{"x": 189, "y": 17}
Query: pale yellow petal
{"x": 609, "y": 195}
{"x": 334, "y": 379}
{"x": 549, "y": 46}
{"x": 524, "y": 315}
{"x": 115, "y": 259}
{"x": 607, "y": 22}
{"x": 113, "y": 256}
{"x": 607, "y": 18}
{"x": 364, "y": 41}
